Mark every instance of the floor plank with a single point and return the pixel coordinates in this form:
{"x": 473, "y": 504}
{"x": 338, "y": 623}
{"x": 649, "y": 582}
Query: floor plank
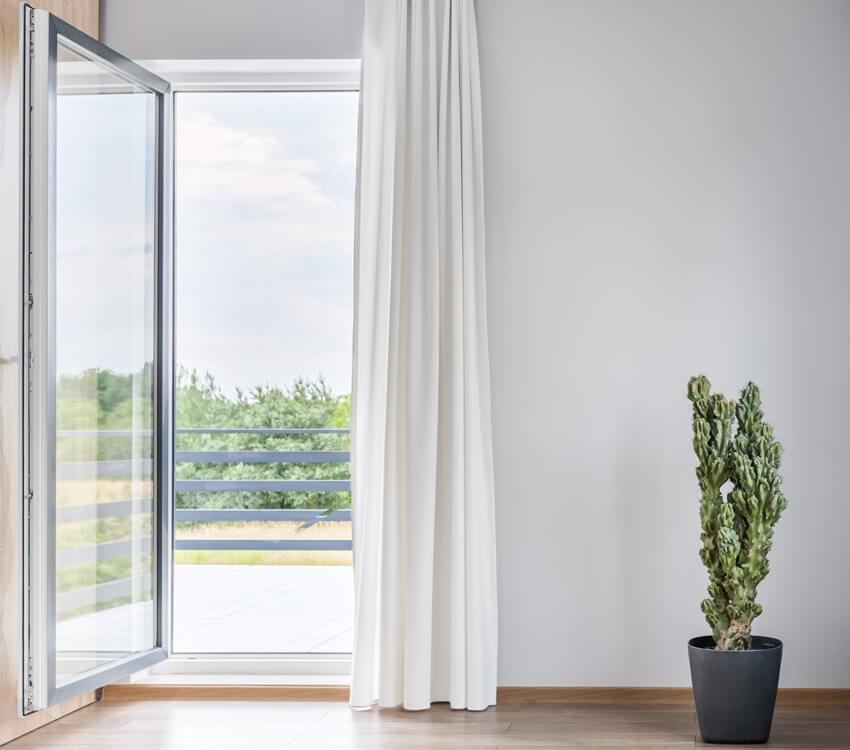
{"x": 192, "y": 724}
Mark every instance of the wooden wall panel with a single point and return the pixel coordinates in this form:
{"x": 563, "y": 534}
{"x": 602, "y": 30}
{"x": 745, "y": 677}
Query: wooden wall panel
{"x": 85, "y": 15}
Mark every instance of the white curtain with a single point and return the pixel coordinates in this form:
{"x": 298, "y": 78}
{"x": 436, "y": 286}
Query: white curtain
{"x": 422, "y": 473}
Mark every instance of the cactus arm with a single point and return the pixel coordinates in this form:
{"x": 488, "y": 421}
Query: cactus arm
{"x": 758, "y": 501}
{"x": 712, "y": 426}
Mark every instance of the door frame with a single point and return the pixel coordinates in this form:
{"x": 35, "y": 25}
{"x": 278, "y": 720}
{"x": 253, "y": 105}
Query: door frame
{"x": 241, "y": 76}
{"x": 41, "y": 32}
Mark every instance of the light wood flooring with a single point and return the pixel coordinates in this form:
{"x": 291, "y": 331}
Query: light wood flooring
{"x": 266, "y": 721}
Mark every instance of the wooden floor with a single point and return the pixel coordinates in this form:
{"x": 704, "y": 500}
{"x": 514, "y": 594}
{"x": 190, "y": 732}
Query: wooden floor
{"x": 273, "y": 723}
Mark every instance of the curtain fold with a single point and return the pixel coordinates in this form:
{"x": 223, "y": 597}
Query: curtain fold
{"x": 422, "y": 474}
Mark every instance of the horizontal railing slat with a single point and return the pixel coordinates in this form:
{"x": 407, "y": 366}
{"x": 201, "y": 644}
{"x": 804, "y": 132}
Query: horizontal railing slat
{"x": 103, "y": 433}
{"x": 112, "y": 509}
{"x": 122, "y": 467}
{"x": 260, "y": 514}
{"x": 261, "y": 457}
{"x": 263, "y": 544}
{"x": 262, "y": 431}
{"x": 105, "y": 551}
{"x": 210, "y": 431}
{"x": 262, "y": 485}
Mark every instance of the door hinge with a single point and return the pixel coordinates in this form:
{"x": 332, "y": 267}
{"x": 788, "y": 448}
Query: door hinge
{"x": 31, "y": 34}
{"x": 29, "y": 693}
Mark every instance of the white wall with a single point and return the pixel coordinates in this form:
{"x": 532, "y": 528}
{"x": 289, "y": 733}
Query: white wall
{"x": 222, "y": 29}
{"x": 668, "y": 193}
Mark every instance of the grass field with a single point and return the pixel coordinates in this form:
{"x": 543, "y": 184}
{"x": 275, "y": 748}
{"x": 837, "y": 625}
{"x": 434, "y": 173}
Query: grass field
{"x": 71, "y": 492}
{"x": 263, "y": 530}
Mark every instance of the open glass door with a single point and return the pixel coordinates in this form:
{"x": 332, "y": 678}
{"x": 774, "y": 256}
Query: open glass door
{"x": 97, "y": 435}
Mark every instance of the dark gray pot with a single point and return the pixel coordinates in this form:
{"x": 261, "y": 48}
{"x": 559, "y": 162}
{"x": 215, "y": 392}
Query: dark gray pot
{"x": 735, "y": 691}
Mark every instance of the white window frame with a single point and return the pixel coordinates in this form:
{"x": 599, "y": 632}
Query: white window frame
{"x": 257, "y": 75}
{"x": 252, "y": 76}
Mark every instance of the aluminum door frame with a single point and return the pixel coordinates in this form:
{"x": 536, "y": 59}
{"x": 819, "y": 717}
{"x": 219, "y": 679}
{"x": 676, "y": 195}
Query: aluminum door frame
{"x": 41, "y": 34}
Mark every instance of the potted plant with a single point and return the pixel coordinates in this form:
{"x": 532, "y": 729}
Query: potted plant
{"x": 734, "y": 674}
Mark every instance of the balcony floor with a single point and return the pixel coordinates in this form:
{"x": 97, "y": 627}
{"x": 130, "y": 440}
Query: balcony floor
{"x": 263, "y": 608}
{"x": 260, "y": 609}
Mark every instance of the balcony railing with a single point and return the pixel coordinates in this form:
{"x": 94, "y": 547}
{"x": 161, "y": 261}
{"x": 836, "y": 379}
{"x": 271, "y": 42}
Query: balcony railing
{"x": 73, "y": 599}
{"x": 307, "y": 517}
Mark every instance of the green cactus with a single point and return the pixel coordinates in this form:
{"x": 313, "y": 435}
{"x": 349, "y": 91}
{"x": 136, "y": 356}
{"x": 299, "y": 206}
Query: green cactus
{"x": 737, "y": 530}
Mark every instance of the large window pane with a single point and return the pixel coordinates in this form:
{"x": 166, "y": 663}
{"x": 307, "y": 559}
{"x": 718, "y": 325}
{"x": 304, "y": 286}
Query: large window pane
{"x": 264, "y": 253}
{"x": 105, "y": 333}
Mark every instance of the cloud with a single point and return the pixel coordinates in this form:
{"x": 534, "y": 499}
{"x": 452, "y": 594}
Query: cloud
{"x": 225, "y": 163}
{"x": 207, "y": 142}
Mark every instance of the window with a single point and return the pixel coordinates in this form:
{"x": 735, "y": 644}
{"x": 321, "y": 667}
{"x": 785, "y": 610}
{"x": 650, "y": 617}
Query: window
{"x": 264, "y": 209}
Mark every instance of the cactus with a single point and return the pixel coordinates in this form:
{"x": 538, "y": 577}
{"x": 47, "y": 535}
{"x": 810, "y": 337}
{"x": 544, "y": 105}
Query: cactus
{"x": 737, "y": 530}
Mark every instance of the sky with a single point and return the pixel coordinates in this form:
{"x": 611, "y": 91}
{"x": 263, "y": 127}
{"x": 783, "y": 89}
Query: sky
{"x": 264, "y": 220}
{"x": 264, "y": 212}
{"x": 104, "y": 232}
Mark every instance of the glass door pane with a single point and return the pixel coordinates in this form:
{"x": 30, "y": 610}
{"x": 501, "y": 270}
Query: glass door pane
{"x": 105, "y": 351}
{"x": 95, "y": 406}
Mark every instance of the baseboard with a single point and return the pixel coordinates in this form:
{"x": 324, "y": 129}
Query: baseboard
{"x": 813, "y": 697}
{"x": 593, "y": 695}
{"x": 505, "y": 695}
{"x": 135, "y": 691}
{"x": 681, "y": 696}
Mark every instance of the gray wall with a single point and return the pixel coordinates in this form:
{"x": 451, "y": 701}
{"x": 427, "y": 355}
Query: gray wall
{"x": 668, "y": 193}
{"x": 256, "y": 29}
